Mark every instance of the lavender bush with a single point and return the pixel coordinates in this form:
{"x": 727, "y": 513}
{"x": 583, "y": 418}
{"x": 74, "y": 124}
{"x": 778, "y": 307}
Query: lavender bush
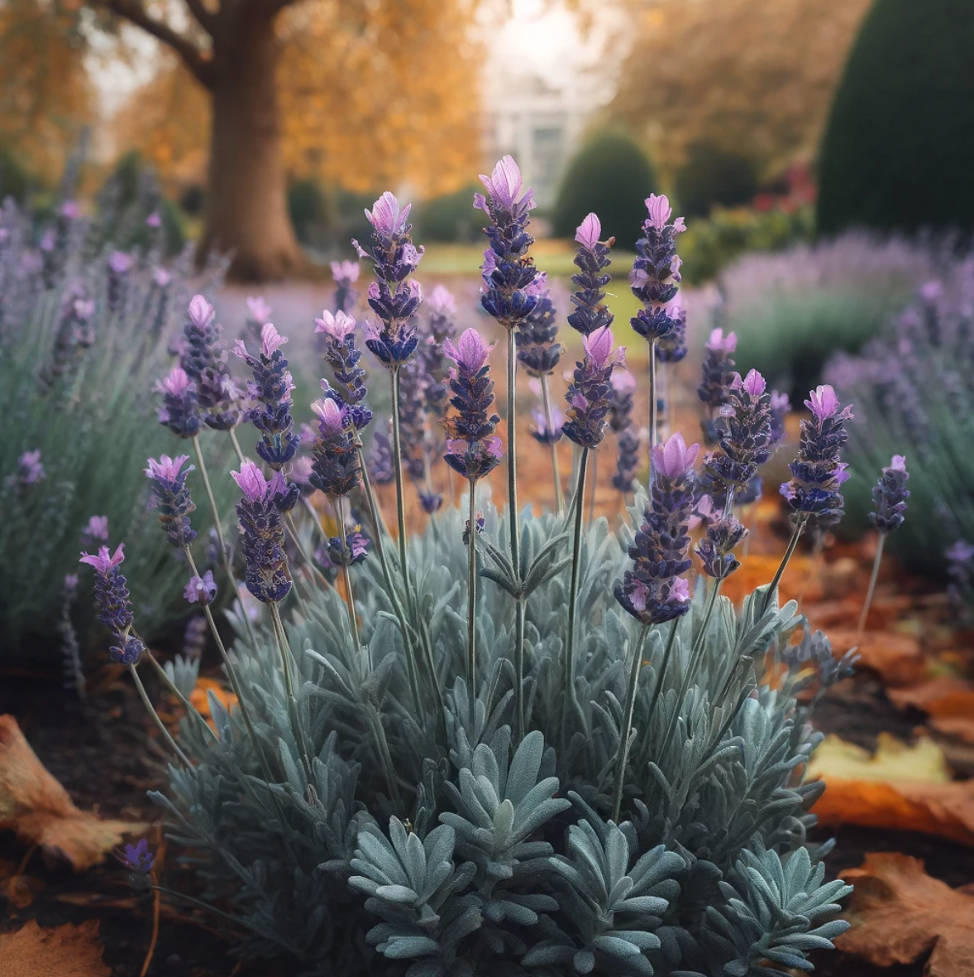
{"x": 792, "y": 311}
{"x": 83, "y": 335}
{"x": 915, "y": 395}
{"x": 506, "y": 743}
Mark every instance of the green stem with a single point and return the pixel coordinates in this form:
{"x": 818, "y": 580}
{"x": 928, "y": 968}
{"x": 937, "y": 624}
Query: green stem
{"x": 292, "y": 531}
{"x": 872, "y": 586}
{"x": 595, "y": 487}
{"x": 285, "y": 650}
{"x": 397, "y": 461}
{"x": 626, "y": 729}
{"x": 224, "y": 558}
{"x": 792, "y": 545}
{"x": 653, "y": 405}
{"x": 569, "y": 669}
{"x": 472, "y": 593}
{"x": 346, "y": 576}
{"x": 191, "y": 710}
{"x": 515, "y": 528}
{"x": 546, "y": 402}
{"x": 162, "y": 726}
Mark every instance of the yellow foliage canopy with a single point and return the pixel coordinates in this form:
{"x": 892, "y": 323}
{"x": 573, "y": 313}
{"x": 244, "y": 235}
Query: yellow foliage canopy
{"x": 371, "y": 96}
{"x": 752, "y": 73}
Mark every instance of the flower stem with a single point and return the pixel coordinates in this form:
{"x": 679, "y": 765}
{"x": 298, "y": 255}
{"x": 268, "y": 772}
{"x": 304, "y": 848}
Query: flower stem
{"x": 782, "y": 566}
{"x": 292, "y": 531}
{"x": 224, "y": 557}
{"x": 162, "y": 726}
{"x": 515, "y": 526}
{"x": 285, "y": 650}
{"x": 627, "y": 714}
{"x": 569, "y": 670}
{"x": 346, "y": 576}
{"x": 653, "y": 405}
{"x": 472, "y": 592}
{"x": 191, "y": 710}
{"x": 549, "y": 422}
{"x": 397, "y": 460}
{"x": 595, "y": 487}
{"x": 872, "y": 586}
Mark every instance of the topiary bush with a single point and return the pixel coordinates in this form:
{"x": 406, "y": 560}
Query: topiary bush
{"x": 792, "y": 311}
{"x": 610, "y": 176}
{"x": 448, "y": 218}
{"x": 710, "y": 176}
{"x": 503, "y": 743}
{"x": 874, "y": 171}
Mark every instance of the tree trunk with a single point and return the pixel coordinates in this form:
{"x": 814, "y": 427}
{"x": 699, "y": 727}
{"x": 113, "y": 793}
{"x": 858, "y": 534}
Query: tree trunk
{"x": 247, "y": 212}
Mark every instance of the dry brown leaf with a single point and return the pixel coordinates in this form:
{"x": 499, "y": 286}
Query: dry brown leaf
{"x": 944, "y": 698}
{"x": 956, "y": 728}
{"x": 38, "y": 808}
{"x": 21, "y": 889}
{"x": 68, "y": 951}
{"x": 759, "y": 568}
{"x": 899, "y": 788}
{"x": 897, "y": 658}
{"x": 899, "y": 913}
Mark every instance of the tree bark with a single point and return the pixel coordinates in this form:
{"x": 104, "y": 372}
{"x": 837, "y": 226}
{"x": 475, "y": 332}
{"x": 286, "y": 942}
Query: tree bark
{"x": 246, "y": 212}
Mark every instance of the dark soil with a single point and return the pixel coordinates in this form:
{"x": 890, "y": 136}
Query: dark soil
{"x": 108, "y": 755}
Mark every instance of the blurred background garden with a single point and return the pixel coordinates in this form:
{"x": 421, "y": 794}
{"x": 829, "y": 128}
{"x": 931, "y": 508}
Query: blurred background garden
{"x": 821, "y": 153}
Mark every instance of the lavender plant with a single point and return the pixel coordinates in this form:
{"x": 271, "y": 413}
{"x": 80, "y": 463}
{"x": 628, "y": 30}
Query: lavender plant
{"x": 78, "y": 358}
{"x": 433, "y": 775}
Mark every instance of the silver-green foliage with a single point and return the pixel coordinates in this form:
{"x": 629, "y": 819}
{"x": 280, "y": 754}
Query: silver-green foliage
{"x": 434, "y": 844}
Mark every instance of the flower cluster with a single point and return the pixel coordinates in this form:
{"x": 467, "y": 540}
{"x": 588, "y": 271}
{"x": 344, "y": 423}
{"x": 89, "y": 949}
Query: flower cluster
{"x": 537, "y": 331}
{"x": 200, "y": 590}
{"x": 653, "y": 590}
{"x": 172, "y": 498}
{"x": 813, "y": 491}
{"x": 589, "y": 392}
{"x": 620, "y": 422}
{"x": 544, "y": 433}
{"x": 592, "y": 258}
{"x": 335, "y": 465}
{"x": 889, "y": 496}
{"x": 271, "y": 389}
{"x": 179, "y": 405}
{"x": 744, "y": 432}
{"x": 345, "y": 275}
{"x": 655, "y": 276}
{"x": 356, "y": 548}
{"x": 673, "y": 348}
{"x": 508, "y": 271}
{"x": 718, "y": 374}
{"x": 342, "y": 355}
{"x": 267, "y": 575}
{"x": 114, "y": 607}
{"x": 205, "y": 362}
{"x": 30, "y": 468}
{"x": 118, "y": 266}
{"x": 472, "y": 449}
{"x": 393, "y": 298}
{"x": 815, "y": 651}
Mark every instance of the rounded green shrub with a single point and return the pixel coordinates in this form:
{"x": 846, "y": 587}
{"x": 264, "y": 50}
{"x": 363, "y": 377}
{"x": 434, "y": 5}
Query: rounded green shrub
{"x": 450, "y": 218}
{"x": 712, "y": 175}
{"x": 611, "y": 176}
{"x": 897, "y": 148}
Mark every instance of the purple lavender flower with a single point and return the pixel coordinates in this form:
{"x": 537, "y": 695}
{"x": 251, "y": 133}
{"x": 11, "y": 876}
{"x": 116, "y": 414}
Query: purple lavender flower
{"x": 201, "y": 590}
{"x": 889, "y": 496}
{"x": 627, "y": 461}
{"x": 271, "y": 389}
{"x": 589, "y": 392}
{"x": 508, "y": 271}
{"x": 655, "y": 276}
{"x": 260, "y": 311}
{"x": 673, "y": 348}
{"x": 592, "y": 258}
{"x": 813, "y": 491}
{"x": 718, "y": 374}
{"x": 536, "y": 332}
{"x": 653, "y": 591}
{"x": 114, "y": 606}
{"x": 342, "y": 355}
{"x": 356, "y": 549}
{"x": 137, "y": 858}
{"x": 119, "y": 265}
{"x": 481, "y": 526}
{"x": 620, "y": 400}
{"x": 29, "y": 468}
{"x": 716, "y": 549}
{"x": 180, "y": 410}
{"x": 172, "y": 497}
{"x": 95, "y": 530}
{"x": 195, "y": 636}
{"x": 780, "y": 406}
{"x": 204, "y": 360}
{"x": 267, "y": 577}
{"x": 392, "y": 298}
{"x": 541, "y": 431}
{"x": 472, "y": 449}
{"x": 744, "y": 432}
{"x": 345, "y": 275}
{"x": 442, "y": 326}
{"x": 335, "y": 467}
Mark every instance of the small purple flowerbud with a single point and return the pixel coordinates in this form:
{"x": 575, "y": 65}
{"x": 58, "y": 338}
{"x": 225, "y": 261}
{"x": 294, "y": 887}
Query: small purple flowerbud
{"x": 470, "y": 353}
{"x": 201, "y": 313}
{"x": 589, "y": 232}
{"x": 153, "y": 220}
{"x": 29, "y": 468}
{"x": 387, "y": 217}
{"x": 347, "y": 270}
{"x": 172, "y": 497}
{"x": 338, "y": 326}
{"x": 114, "y": 607}
{"x": 660, "y": 212}
{"x": 504, "y": 183}
{"x": 201, "y": 590}
{"x": 260, "y": 311}
{"x": 138, "y": 858}
{"x": 889, "y": 496}
{"x": 673, "y": 458}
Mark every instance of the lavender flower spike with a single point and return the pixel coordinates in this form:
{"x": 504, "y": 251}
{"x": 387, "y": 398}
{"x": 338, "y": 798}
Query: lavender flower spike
{"x": 267, "y": 577}
{"x": 591, "y": 258}
{"x": 172, "y": 497}
{"x": 335, "y": 467}
{"x": 589, "y": 392}
{"x": 114, "y": 606}
{"x": 180, "y": 410}
{"x": 204, "y": 361}
{"x": 889, "y": 496}
{"x": 655, "y": 275}
{"x": 342, "y": 355}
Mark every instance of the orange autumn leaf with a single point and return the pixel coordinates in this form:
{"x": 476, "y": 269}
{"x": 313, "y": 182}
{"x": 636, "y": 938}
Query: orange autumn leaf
{"x": 759, "y": 568}
{"x": 899, "y": 914}
{"x": 900, "y": 788}
{"x": 943, "y": 698}
{"x": 200, "y": 698}
{"x": 68, "y": 951}
{"x": 897, "y": 658}
{"x": 39, "y": 810}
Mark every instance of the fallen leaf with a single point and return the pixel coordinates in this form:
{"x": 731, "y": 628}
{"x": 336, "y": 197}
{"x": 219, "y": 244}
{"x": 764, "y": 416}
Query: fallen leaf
{"x": 900, "y": 788}
{"x": 944, "y": 698}
{"x": 199, "y": 697}
{"x": 68, "y": 951}
{"x": 957, "y": 728}
{"x": 21, "y": 889}
{"x": 897, "y": 658}
{"x": 759, "y": 568}
{"x": 39, "y": 810}
{"x": 899, "y": 913}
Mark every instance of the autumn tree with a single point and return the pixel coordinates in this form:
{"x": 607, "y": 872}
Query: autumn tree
{"x": 751, "y": 75}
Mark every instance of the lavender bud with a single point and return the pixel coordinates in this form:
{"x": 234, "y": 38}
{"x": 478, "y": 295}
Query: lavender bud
{"x": 889, "y": 496}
